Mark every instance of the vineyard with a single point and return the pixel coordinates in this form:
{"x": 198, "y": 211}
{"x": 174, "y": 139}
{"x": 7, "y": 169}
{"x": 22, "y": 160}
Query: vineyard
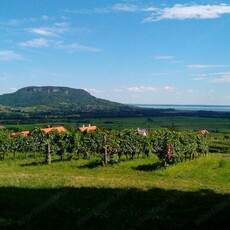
{"x": 110, "y": 146}
{"x": 42, "y": 188}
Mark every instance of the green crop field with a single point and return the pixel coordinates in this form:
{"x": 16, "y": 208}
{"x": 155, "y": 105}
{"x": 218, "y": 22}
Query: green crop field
{"x": 180, "y": 123}
{"x": 81, "y": 194}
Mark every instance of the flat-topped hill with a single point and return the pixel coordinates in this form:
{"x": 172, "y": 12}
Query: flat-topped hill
{"x": 57, "y": 97}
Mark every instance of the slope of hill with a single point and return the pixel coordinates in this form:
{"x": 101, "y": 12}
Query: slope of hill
{"x": 52, "y": 98}
{"x": 52, "y": 102}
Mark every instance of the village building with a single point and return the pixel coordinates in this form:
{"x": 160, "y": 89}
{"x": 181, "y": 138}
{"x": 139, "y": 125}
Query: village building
{"x": 90, "y": 128}
{"x": 46, "y": 130}
{"x": 203, "y": 131}
{"x": 142, "y": 132}
{"x": 57, "y": 128}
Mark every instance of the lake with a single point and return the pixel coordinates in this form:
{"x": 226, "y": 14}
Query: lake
{"x": 217, "y": 108}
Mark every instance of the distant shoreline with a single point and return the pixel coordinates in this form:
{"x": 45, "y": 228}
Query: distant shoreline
{"x": 215, "y": 108}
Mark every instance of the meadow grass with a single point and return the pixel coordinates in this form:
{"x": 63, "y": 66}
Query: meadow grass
{"x": 181, "y": 123}
{"x": 137, "y": 194}
{"x": 133, "y": 194}
{"x": 143, "y": 173}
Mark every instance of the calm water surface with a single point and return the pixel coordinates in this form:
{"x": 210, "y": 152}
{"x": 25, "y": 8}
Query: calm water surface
{"x": 217, "y": 108}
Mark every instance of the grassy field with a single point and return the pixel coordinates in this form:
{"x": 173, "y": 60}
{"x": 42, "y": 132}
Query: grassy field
{"x": 129, "y": 195}
{"x": 214, "y": 125}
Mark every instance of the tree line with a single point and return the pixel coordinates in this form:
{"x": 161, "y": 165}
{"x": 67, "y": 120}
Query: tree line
{"x": 110, "y": 145}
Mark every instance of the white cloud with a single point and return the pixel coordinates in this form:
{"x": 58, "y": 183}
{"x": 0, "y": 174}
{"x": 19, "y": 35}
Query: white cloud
{"x": 58, "y": 28}
{"x": 8, "y": 55}
{"x": 189, "y": 90}
{"x": 36, "y": 43}
{"x": 141, "y": 89}
{"x": 200, "y": 79}
{"x": 13, "y": 89}
{"x": 178, "y": 11}
{"x": 204, "y": 75}
{"x": 16, "y": 22}
{"x": 200, "y": 75}
{"x": 224, "y": 79}
{"x": 45, "y": 43}
{"x": 199, "y": 66}
{"x": 182, "y": 12}
{"x": 221, "y": 73}
{"x": 213, "y": 77}
{"x": 76, "y": 47}
{"x": 125, "y": 7}
{"x": 111, "y": 9}
{"x": 164, "y": 57}
{"x": 41, "y": 31}
{"x": 168, "y": 88}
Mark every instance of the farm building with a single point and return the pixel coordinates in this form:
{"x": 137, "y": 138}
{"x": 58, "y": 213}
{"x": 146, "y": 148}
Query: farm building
{"x": 203, "y": 131}
{"x": 142, "y": 132}
{"x": 46, "y": 130}
{"x": 90, "y": 128}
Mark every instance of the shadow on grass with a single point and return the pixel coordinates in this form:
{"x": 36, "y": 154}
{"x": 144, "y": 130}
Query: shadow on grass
{"x": 34, "y": 163}
{"x": 148, "y": 167}
{"x": 91, "y": 165}
{"x": 43, "y": 162}
{"x": 105, "y": 208}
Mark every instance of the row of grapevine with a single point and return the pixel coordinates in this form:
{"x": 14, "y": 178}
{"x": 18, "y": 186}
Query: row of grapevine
{"x": 170, "y": 147}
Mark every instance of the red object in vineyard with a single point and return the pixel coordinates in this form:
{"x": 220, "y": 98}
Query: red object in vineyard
{"x": 169, "y": 150}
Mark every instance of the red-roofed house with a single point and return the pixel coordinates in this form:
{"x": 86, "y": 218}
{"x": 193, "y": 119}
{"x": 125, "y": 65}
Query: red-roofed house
{"x": 203, "y": 132}
{"x": 25, "y": 133}
{"x": 46, "y": 130}
{"x": 58, "y": 128}
{"x": 88, "y": 128}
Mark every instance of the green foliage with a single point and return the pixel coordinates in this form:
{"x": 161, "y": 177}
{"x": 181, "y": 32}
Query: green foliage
{"x": 111, "y": 145}
{"x": 47, "y": 98}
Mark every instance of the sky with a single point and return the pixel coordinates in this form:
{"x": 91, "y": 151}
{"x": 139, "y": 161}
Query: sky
{"x": 148, "y": 52}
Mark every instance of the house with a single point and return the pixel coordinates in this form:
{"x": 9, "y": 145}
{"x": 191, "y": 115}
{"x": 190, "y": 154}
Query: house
{"x": 58, "y": 128}
{"x": 142, "y": 132}
{"x": 46, "y": 130}
{"x": 88, "y": 128}
{"x": 203, "y": 131}
{"x": 24, "y": 133}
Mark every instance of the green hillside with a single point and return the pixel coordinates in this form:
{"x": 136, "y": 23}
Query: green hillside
{"x": 50, "y": 97}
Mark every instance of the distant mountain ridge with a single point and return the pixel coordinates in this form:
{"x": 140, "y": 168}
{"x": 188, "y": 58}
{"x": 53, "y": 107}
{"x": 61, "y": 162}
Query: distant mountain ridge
{"x": 48, "y": 103}
{"x": 53, "y": 97}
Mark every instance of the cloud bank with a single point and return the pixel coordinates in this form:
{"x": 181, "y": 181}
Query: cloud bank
{"x": 182, "y": 12}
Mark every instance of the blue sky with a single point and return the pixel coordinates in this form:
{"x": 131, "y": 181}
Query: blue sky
{"x": 159, "y": 52}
